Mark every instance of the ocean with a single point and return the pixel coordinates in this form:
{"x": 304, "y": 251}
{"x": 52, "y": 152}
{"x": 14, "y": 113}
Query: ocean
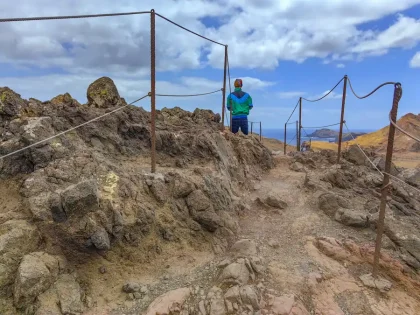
{"x": 291, "y": 134}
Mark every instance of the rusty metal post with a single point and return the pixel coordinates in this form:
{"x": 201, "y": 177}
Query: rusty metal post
{"x": 285, "y": 138}
{"x": 153, "y": 88}
{"x": 231, "y": 109}
{"x": 385, "y": 184}
{"x": 224, "y": 92}
{"x": 260, "y": 132}
{"x": 251, "y": 126}
{"x": 343, "y": 103}
{"x": 300, "y": 124}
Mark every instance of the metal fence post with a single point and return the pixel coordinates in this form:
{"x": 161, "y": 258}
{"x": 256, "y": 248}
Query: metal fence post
{"x": 224, "y": 91}
{"x": 153, "y": 89}
{"x": 386, "y": 183}
{"x": 251, "y": 126}
{"x": 285, "y": 137}
{"x": 343, "y": 103}
{"x": 300, "y": 124}
{"x": 260, "y": 132}
{"x": 297, "y": 135}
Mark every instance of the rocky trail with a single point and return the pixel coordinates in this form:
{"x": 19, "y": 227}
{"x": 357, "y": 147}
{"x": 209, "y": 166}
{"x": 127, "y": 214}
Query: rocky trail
{"x": 225, "y": 226}
{"x": 304, "y": 267}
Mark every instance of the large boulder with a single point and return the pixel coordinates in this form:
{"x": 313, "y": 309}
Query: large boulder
{"x": 209, "y": 220}
{"x": 64, "y": 99}
{"x": 352, "y": 218}
{"x": 355, "y": 155}
{"x": 63, "y": 297}
{"x": 69, "y": 294}
{"x": 10, "y": 102}
{"x": 103, "y": 93}
{"x": 17, "y": 238}
{"x": 379, "y": 162}
{"x": 330, "y": 203}
{"x": 36, "y": 273}
{"x": 197, "y": 201}
{"x": 244, "y": 248}
{"x": 80, "y": 198}
{"x": 414, "y": 179}
{"x": 236, "y": 273}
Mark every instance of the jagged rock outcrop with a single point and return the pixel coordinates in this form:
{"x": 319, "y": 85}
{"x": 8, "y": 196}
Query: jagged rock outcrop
{"x": 352, "y": 197}
{"x": 90, "y": 190}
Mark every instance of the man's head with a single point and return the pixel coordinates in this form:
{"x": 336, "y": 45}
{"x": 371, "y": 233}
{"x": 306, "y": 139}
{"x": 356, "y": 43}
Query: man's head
{"x": 238, "y": 83}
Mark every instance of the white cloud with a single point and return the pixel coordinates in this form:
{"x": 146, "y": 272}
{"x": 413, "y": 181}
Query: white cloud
{"x": 83, "y": 50}
{"x": 415, "y": 61}
{"x": 253, "y": 83}
{"x": 274, "y": 31}
{"x": 290, "y": 94}
{"x": 404, "y": 33}
{"x": 341, "y": 65}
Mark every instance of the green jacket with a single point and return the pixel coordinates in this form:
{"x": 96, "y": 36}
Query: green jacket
{"x": 241, "y": 103}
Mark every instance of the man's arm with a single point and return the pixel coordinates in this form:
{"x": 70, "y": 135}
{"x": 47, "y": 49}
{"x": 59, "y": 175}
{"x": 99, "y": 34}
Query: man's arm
{"x": 228, "y": 102}
{"x": 251, "y": 106}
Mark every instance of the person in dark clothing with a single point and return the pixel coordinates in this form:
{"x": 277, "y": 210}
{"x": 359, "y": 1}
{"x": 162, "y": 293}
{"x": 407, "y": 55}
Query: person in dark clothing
{"x": 241, "y": 104}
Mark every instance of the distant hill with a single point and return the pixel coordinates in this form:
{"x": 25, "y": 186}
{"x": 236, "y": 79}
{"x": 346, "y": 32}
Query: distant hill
{"x": 328, "y": 133}
{"x": 324, "y": 133}
{"x": 379, "y": 139}
{"x": 349, "y": 136}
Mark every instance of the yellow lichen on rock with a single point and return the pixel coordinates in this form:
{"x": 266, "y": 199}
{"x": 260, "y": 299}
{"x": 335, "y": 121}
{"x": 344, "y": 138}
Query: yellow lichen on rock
{"x": 103, "y": 93}
{"x": 109, "y": 185}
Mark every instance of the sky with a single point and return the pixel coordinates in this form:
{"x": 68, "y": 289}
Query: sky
{"x": 282, "y": 50}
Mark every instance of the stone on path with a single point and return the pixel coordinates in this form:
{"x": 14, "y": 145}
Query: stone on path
{"x": 381, "y": 284}
{"x": 163, "y": 304}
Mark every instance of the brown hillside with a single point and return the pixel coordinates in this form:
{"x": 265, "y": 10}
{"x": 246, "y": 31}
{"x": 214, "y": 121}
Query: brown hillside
{"x": 378, "y": 139}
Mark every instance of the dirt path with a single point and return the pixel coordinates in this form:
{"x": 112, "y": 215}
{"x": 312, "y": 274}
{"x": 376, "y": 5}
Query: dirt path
{"x": 285, "y": 243}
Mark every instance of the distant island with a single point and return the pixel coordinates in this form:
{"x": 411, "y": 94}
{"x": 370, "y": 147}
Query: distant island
{"x": 328, "y": 133}
{"x": 324, "y": 133}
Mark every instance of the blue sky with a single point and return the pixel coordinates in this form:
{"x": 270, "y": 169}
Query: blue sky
{"x": 281, "y": 50}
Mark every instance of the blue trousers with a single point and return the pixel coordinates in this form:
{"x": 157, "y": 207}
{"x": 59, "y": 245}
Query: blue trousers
{"x": 240, "y": 123}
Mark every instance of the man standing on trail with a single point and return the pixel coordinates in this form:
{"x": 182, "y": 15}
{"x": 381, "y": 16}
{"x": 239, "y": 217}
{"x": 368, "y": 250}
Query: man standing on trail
{"x": 241, "y": 103}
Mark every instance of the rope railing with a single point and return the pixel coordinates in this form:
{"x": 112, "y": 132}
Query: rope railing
{"x": 288, "y": 143}
{"x": 307, "y": 136}
{"x": 188, "y": 30}
{"x": 152, "y": 92}
{"x": 369, "y": 94}
{"x": 388, "y": 158}
{"x": 297, "y": 104}
{"x": 67, "y": 17}
{"x": 375, "y": 166}
{"x": 71, "y": 129}
{"x": 317, "y": 100}
{"x": 189, "y": 95}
